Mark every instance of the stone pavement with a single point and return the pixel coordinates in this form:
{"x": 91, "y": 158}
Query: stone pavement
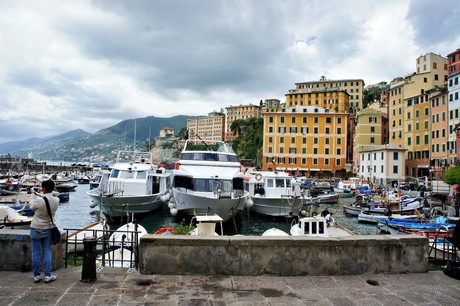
{"x": 122, "y": 287}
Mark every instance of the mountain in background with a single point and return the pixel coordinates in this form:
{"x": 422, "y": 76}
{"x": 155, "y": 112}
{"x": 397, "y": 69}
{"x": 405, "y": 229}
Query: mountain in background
{"x": 102, "y": 146}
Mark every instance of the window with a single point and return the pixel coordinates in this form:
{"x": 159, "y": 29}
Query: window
{"x": 326, "y": 151}
{"x": 270, "y": 119}
{"x": 292, "y": 139}
{"x": 270, "y": 129}
{"x": 315, "y": 130}
{"x": 326, "y": 140}
{"x": 315, "y": 151}
{"x": 281, "y": 139}
{"x": 292, "y": 119}
{"x": 282, "y": 119}
{"x": 372, "y": 140}
{"x": 372, "y": 129}
{"x": 270, "y": 139}
{"x": 327, "y": 130}
{"x": 316, "y": 120}
{"x": 315, "y": 161}
{"x": 395, "y": 155}
{"x": 339, "y": 130}
{"x": 395, "y": 169}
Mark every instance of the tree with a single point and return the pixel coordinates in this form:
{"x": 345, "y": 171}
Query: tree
{"x": 452, "y": 176}
{"x": 372, "y": 92}
{"x": 248, "y": 144}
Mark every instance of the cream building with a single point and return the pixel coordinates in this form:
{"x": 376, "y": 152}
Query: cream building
{"x": 211, "y": 127}
{"x": 382, "y": 164}
{"x": 239, "y": 112}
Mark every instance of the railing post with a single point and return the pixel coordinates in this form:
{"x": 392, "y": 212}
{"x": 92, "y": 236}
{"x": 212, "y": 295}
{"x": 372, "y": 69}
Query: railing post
{"x": 88, "y": 271}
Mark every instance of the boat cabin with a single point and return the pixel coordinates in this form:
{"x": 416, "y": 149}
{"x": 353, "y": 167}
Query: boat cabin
{"x": 310, "y": 226}
{"x": 206, "y": 225}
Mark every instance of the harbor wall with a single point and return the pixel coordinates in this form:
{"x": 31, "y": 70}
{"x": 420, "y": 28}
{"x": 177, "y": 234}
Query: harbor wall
{"x": 16, "y": 251}
{"x": 285, "y": 256}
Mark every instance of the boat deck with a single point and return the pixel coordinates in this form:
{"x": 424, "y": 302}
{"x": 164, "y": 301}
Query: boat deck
{"x": 338, "y": 231}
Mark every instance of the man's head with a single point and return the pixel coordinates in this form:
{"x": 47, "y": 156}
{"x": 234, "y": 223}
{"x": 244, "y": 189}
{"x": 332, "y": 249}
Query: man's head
{"x": 48, "y": 186}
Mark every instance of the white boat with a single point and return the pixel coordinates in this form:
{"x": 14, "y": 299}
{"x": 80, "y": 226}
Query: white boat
{"x": 368, "y": 216}
{"x": 123, "y": 243}
{"x": 206, "y": 225}
{"x": 317, "y": 227}
{"x": 275, "y": 232}
{"x": 208, "y": 181}
{"x": 275, "y": 194}
{"x": 343, "y": 187}
{"x": 134, "y": 185}
{"x": 10, "y": 218}
{"x": 75, "y": 239}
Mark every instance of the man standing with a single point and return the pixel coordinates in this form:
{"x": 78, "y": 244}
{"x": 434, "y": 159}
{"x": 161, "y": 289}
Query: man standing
{"x": 40, "y": 230}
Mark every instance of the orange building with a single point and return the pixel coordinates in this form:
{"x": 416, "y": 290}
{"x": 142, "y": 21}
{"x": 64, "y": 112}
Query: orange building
{"x": 309, "y": 139}
{"x": 239, "y": 112}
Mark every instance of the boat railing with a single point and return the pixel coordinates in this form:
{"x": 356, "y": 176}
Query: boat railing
{"x": 105, "y": 247}
{"x": 441, "y": 249}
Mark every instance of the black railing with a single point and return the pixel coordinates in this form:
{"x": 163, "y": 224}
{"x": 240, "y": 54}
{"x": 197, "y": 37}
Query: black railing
{"x": 114, "y": 248}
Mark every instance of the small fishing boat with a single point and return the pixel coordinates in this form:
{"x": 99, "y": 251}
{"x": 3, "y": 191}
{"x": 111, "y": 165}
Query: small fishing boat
{"x": 10, "y": 218}
{"x": 206, "y": 225}
{"x": 317, "y": 227}
{"x": 275, "y": 232}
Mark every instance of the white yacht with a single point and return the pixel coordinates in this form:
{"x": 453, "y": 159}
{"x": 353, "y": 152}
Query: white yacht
{"x": 208, "y": 179}
{"x": 134, "y": 185}
{"x": 275, "y": 193}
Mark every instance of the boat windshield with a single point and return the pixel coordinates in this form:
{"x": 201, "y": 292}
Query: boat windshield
{"x": 209, "y": 156}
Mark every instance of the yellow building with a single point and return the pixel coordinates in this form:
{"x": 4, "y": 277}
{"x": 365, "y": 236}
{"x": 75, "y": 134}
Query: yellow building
{"x": 396, "y": 112}
{"x": 322, "y": 93}
{"x": 211, "y": 127}
{"x": 431, "y": 73}
{"x": 309, "y": 139}
{"x": 371, "y": 129}
{"x": 239, "y": 112}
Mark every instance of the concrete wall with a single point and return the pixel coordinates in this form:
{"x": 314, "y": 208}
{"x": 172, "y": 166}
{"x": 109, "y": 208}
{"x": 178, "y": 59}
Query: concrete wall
{"x": 16, "y": 251}
{"x": 287, "y": 256}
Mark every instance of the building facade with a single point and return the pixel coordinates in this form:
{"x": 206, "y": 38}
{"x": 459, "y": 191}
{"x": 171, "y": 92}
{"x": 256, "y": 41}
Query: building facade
{"x": 439, "y": 133}
{"x": 308, "y": 139}
{"x": 453, "y": 88}
{"x": 211, "y": 127}
{"x": 382, "y": 164}
{"x": 240, "y": 112}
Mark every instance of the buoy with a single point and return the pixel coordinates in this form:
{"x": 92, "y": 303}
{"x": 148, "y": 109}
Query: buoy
{"x": 173, "y": 212}
{"x": 249, "y": 203}
{"x": 92, "y": 205}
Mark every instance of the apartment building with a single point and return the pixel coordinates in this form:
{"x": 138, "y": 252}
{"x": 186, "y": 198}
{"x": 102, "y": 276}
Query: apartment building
{"x": 309, "y": 139}
{"x": 454, "y": 98}
{"x": 371, "y": 129}
{"x": 440, "y": 157}
{"x": 396, "y": 112}
{"x": 239, "y": 112}
{"x": 211, "y": 127}
{"x": 305, "y": 93}
{"x": 382, "y": 164}
{"x": 431, "y": 73}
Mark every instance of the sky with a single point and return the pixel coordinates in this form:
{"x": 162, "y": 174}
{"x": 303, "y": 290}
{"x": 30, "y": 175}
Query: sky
{"x": 67, "y": 65}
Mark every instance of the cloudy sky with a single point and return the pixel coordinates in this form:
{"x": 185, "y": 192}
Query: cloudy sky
{"x": 66, "y": 65}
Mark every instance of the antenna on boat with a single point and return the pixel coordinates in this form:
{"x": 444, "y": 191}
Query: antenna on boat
{"x": 204, "y": 142}
{"x": 134, "y": 145}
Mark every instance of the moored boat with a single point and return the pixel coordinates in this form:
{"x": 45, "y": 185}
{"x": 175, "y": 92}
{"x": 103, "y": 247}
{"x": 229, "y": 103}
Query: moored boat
{"x": 208, "y": 180}
{"x": 317, "y": 227}
{"x": 134, "y": 185}
{"x": 10, "y": 218}
{"x": 275, "y": 193}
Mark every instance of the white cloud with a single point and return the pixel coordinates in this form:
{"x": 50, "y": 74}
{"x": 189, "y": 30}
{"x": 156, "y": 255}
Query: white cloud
{"x": 85, "y": 64}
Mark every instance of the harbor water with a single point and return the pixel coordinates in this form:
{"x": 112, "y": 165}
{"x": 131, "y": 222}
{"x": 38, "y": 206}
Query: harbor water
{"x": 77, "y": 213}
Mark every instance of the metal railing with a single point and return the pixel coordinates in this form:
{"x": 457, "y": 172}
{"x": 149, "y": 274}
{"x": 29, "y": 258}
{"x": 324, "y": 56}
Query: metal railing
{"x": 114, "y": 248}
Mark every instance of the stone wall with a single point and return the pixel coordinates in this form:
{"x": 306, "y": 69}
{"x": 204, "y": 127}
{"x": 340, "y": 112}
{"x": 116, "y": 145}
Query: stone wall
{"x": 16, "y": 251}
{"x": 286, "y": 256}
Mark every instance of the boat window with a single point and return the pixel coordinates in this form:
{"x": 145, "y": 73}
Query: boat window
{"x": 306, "y": 228}
{"x": 186, "y": 156}
{"x": 288, "y": 183}
{"x": 114, "y": 173}
{"x": 270, "y": 183}
{"x": 200, "y": 185}
{"x": 279, "y": 182}
{"x": 141, "y": 175}
{"x": 238, "y": 183}
{"x": 314, "y": 228}
{"x": 126, "y": 175}
{"x": 183, "y": 181}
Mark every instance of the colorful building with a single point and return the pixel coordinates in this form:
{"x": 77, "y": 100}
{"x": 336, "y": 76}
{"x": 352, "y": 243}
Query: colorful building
{"x": 439, "y": 133}
{"x": 211, "y": 127}
{"x": 240, "y": 112}
{"x": 454, "y": 100}
{"x": 309, "y": 139}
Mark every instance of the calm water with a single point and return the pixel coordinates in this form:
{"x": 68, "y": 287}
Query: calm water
{"x": 77, "y": 213}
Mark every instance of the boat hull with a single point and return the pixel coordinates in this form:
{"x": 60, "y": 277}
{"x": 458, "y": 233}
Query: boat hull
{"x": 119, "y": 206}
{"x": 277, "y": 207}
{"x": 194, "y": 203}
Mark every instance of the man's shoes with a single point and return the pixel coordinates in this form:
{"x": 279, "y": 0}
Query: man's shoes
{"x": 37, "y": 279}
{"x": 50, "y": 278}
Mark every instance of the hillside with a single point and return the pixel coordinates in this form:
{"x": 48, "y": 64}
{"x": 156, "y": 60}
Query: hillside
{"x": 102, "y": 146}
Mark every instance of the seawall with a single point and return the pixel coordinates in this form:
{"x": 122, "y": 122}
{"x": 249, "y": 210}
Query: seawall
{"x": 284, "y": 256}
{"x": 16, "y": 251}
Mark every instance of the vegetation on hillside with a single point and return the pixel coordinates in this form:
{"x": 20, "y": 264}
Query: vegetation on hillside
{"x": 372, "y": 92}
{"x": 248, "y": 144}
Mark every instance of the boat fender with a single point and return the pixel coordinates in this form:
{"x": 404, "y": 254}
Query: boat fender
{"x": 173, "y": 212}
{"x": 258, "y": 176}
{"x": 249, "y": 203}
{"x": 92, "y": 205}
{"x": 164, "y": 198}
{"x": 171, "y": 205}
